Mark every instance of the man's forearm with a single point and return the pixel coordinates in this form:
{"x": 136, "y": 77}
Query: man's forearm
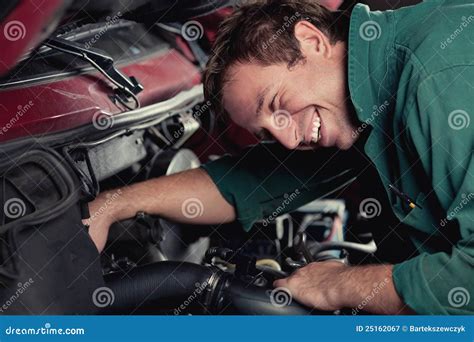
{"x": 371, "y": 288}
{"x": 188, "y": 197}
{"x": 169, "y": 196}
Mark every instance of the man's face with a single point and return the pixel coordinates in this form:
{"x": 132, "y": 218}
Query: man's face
{"x": 305, "y": 107}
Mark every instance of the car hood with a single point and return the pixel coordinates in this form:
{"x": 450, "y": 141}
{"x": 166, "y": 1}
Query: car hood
{"x": 24, "y": 24}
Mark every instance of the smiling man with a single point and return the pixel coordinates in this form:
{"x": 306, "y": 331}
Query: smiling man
{"x": 392, "y": 90}
{"x": 322, "y": 76}
{"x": 288, "y": 85}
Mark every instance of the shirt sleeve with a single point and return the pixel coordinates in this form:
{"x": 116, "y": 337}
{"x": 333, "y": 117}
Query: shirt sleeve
{"x": 267, "y": 180}
{"x": 441, "y": 131}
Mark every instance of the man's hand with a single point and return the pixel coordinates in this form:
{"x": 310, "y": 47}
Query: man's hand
{"x": 317, "y": 285}
{"x": 102, "y": 215}
{"x": 332, "y": 285}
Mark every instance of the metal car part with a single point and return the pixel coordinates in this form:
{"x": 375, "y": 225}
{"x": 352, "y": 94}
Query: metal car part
{"x": 126, "y": 87}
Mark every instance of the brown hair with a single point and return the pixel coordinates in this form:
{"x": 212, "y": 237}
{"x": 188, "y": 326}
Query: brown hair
{"x": 261, "y": 31}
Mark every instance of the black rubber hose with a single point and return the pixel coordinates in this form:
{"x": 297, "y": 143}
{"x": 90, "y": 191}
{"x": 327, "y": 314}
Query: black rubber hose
{"x": 159, "y": 286}
{"x": 253, "y": 300}
{"x": 172, "y": 287}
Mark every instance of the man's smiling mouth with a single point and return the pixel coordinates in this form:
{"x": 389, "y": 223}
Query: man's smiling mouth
{"x": 313, "y": 131}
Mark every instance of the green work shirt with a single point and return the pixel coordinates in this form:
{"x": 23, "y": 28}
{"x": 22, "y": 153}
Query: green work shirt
{"x": 411, "y": 80}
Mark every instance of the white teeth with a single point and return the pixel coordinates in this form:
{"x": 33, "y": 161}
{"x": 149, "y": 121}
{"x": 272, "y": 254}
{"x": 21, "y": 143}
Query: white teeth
{"x": 315, "y": 136}
{"x": 316, "y": 130}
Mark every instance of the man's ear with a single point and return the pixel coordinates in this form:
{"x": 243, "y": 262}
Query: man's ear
{"x": 312, "y": 40}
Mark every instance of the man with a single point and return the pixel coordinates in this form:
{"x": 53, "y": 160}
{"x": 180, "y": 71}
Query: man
{"x": 394, "y": 88}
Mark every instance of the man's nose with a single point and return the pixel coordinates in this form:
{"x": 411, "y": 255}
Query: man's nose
{"x": 283, "y": 128}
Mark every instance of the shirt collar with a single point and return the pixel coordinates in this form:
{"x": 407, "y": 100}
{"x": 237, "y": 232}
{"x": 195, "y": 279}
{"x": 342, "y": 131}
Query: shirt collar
{"x": 373, "y": 66}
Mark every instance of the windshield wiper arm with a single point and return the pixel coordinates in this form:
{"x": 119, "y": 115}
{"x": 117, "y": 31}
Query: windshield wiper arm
{"x": 126, "y": 86}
